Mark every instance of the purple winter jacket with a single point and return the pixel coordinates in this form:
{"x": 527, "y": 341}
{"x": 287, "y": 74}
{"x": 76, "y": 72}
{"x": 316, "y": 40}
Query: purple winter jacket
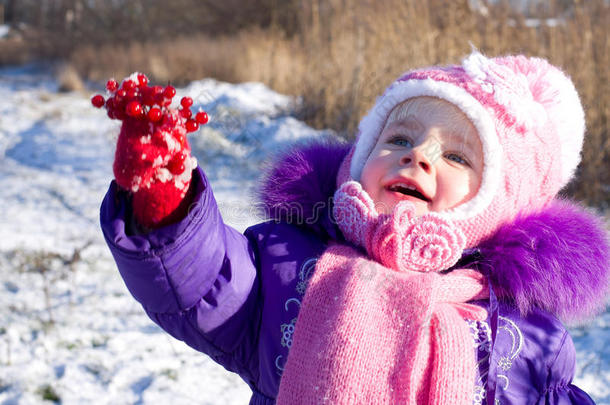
{"x": 236, "y": 297}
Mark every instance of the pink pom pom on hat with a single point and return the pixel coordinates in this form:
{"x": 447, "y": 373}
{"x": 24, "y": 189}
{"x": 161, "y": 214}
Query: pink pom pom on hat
{"x": 530, "y": 122}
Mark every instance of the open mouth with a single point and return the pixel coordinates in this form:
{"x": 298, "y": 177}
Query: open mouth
{"x": 408, "y": 190}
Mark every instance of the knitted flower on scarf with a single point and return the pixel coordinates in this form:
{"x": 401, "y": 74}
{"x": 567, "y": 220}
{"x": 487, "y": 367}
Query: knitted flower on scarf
{"x": 400, "y": 241}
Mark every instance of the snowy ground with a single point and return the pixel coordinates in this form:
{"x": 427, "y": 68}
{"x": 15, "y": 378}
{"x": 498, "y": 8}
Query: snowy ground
{"x": 69, "y": 330}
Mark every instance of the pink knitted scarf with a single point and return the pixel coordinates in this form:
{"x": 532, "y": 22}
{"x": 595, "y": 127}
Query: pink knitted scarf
{"x": 389, "y": 330}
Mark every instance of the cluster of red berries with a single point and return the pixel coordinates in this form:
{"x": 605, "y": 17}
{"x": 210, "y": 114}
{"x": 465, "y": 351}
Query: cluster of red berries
{"x": 136, "y": 99}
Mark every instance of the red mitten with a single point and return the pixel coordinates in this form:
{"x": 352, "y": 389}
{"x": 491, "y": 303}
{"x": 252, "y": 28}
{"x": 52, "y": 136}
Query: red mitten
{"x": 153, "y": 158}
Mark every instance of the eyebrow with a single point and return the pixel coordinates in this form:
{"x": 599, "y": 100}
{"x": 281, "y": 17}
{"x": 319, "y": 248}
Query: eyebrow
{"x": 462, "y": 139}
{"x": 411, "y": 124}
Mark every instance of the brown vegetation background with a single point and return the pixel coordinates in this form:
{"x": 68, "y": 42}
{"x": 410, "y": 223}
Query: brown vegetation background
{"x": 338, "y": 55}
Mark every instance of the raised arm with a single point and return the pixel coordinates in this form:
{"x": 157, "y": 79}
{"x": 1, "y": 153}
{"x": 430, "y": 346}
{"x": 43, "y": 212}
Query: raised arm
{"x": 195, "y": 276}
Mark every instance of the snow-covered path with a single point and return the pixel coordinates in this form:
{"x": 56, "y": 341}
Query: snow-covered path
{"x": 69, "y": 330}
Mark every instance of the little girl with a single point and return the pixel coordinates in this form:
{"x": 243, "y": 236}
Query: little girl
{"x": 427, "y": 263}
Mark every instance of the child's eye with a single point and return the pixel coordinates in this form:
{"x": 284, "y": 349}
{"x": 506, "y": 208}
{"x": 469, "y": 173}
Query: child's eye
{"x": 457, "y": 159}
{"x": 400, "y": 141}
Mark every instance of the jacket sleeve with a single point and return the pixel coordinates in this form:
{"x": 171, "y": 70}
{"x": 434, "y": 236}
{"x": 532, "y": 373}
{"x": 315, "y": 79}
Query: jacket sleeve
{"x": 197, "y": 279}
{"x": 560, "y": 390}
{"x": 533, "y": 360}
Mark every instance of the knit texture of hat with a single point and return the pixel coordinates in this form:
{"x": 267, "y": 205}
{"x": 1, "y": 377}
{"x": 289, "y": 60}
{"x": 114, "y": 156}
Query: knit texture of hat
{"x": 530, "y": 122}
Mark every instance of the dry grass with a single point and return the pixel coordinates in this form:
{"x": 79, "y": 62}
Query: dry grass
{"x": 343, "y": 53}
{"x": 69, "y": 79}
{"x": 14, "y": 51}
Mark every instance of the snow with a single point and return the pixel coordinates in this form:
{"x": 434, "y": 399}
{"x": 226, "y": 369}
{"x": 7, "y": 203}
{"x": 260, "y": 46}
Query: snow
{"x": 69, "y": 329}
{"x": 4, "y": 30}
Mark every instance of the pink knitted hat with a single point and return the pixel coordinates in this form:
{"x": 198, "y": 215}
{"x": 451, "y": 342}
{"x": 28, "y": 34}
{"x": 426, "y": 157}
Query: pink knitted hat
{"x": 530, "y": 122}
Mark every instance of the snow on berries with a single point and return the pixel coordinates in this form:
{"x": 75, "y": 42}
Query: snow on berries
{"x": 134, "y": 98}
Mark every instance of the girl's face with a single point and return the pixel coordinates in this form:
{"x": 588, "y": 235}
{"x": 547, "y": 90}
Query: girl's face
{"x": 423, "y": 160}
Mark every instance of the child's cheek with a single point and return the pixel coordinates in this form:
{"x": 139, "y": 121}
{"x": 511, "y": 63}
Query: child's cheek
{"x": 372, "y": 173}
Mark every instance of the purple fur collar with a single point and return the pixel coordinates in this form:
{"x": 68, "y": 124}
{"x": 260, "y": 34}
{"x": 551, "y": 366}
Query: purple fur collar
{"x": 557, "y": 259}
{"x": 299, "y": 185}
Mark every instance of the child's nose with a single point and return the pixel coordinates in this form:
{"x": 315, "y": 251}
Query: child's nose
{"x": 418, "y": 156}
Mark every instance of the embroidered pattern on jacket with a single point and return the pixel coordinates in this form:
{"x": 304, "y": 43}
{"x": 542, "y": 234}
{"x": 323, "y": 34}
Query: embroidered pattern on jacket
{"x": 505, "y": 362}
{"x": 305, "y": 274}
{"x": 287, "y": 329}
{"x": 481, "y": 334}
